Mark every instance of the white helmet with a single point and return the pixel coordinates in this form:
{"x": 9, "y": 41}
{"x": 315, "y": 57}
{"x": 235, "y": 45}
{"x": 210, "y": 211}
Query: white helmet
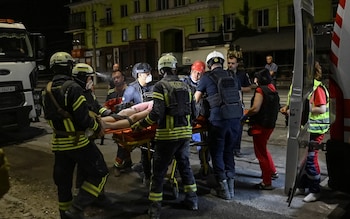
{"x": 215, "y": 57}
{"x": 167, "y": 61}
{"x": 82, "y": 69}
{"x": 140, "y": 67}
{"x": 61, "y": 59}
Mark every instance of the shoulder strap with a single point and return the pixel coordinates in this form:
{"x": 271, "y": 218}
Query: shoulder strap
{"x": 64, "y": 113}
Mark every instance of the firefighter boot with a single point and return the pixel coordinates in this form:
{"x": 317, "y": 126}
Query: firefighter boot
{"x": 231, "y": 187}
{"x": 222, "y": 190}
{"x": 154, "y": 210}
{"x": 63, "y": 215}
{"x": 191, "y": 201}
{"x": 75, "y": 213}
{"x": 105, "y": 202}
{"x": 80, "y": 202}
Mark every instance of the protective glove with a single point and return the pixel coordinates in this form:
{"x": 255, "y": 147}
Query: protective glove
{"x": 137, "y": 126}
{"x": 244, "y": 119}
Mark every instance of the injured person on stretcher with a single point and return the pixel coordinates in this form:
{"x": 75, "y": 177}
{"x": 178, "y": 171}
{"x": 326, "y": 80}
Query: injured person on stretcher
{"x": 126, "y": 117}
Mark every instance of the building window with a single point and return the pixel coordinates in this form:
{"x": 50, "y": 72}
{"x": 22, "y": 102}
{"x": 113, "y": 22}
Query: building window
{"x": 137, "y": 6}
{"x": 79, "y": 39}
{"x": 108, "y": 37}
{"x": 94, "y": 16}
{"x": 291, "y": 17}
{"x": 109, "y": 16}
{"x": 124, "y": 35}
{"x": 229, "y": 22}
{"x": 214, "y": 26}
{"x": 147, "y": 5}
{"x": 263, "y": 18}
{"x": 200, "y": 24}
{"x": 162, "y": 4}
{"x": 179, "y": 3}
{"x": 138, "y": 34}
{"x": 334, "y": 8}
{"x": 149, "y": 33}
{"x": 124, "y": 10}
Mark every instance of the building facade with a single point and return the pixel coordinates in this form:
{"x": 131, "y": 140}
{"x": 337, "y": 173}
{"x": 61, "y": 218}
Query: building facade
{"x": 130, "y": 31}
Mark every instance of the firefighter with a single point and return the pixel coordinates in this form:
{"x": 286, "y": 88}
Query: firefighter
{"x": 82, "y": 74}
{"x": 67, "y": 112}
{"x": 4, "y": 174}
{"x": 171, "y": 111}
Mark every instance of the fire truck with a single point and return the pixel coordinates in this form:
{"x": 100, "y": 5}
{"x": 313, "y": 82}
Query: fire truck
{"x": 338, "y": 145}
{"x": 20, "y": 52}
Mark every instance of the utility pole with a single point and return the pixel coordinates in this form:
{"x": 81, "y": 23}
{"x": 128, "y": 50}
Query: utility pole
{"x": 94, "y": 58}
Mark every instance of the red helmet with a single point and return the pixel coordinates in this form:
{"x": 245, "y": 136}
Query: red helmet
{"x": 198, "y": 66}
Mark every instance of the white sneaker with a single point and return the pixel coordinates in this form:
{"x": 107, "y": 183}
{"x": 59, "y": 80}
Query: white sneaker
{"x": 312, "y": 197}
{"x": 300, "y": 191}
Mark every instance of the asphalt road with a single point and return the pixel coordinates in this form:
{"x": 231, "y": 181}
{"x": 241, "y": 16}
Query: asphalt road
{"x": 131, "y": 195}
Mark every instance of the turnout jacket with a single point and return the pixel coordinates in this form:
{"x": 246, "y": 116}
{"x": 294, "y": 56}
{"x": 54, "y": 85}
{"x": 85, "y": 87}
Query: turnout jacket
{"x": 68, "y": 132}
{"x": 170, "y": 125}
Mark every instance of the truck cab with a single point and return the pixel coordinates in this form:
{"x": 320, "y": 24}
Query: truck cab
{"x": 19, "y": 53}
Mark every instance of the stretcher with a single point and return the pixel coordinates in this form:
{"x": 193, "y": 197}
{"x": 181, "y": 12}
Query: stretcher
{"x": 131, "y": 140}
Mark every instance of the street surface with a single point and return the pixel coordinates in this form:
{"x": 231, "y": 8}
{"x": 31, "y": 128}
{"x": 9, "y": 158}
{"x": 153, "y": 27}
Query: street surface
{"x": 33, "y": 194}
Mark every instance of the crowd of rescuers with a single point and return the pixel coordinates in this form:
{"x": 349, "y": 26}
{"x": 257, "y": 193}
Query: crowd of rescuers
{"x": 211, "y": 98}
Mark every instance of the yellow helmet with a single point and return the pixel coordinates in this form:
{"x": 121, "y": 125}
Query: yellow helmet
{"x": 167, "y": 61}
{"x": 61, "y": 59}
{"x": 82, "y": 69}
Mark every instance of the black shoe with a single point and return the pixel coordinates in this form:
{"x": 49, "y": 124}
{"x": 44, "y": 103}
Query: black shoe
{"x": 238, "y": 154}
{"x": 74, "y": 213}
{"x": 193, "y": 206}
{"x": 274, "y": 176}
{"x": 154, "y": 210}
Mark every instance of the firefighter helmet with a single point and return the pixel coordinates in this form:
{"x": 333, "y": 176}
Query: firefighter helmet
{"x": 215, "y": 57}
{"x": 140, "y": 67}
{"x": 167, "y": 63}
{"x": 82, "y": 69}
{"x": 81, "y": 72}
{"x": 61, "y": 59}
{"x": 198, "y": 66}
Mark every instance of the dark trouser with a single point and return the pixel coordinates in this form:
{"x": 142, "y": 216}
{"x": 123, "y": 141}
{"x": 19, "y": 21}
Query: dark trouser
{"x": 312, "y": 177}
{"x": 94, "y": 169}
{"x": 146, "y": 157}
{"x": 165, "y": 151}
{"x": 222, "y": 136}
{"x": 237, "y": 145}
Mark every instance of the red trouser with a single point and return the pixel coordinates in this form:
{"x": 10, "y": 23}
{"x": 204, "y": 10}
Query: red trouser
{"x": 260, "y": 137}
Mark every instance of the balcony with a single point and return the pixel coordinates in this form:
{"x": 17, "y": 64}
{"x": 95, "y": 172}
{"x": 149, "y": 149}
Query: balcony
{"x": 105, "y": 22}
{"x": 76, "y": 26}
{"x": 176, "y": 11}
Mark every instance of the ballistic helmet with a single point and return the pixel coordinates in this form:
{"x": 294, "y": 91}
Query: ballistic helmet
{"x": 215, "y": 57}
{"x": 198, "y": 66}
{"x": 61, "y": 59}
{"x": 167, "y": 63}
{"x": 140, "y": 67}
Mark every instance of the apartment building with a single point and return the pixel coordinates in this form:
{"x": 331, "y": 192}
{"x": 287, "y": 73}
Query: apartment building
{"x": 130, "y": 31}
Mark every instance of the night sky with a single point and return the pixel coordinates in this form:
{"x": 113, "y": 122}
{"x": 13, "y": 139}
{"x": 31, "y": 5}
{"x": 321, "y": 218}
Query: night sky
{"x": 49, "y": 17}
